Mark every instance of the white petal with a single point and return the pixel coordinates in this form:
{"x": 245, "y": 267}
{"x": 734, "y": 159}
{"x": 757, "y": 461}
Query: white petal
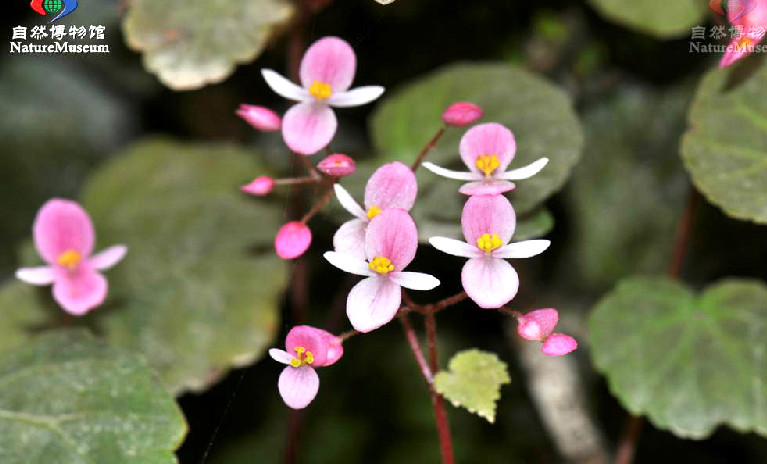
{"x": 42, "y": 275}
{"x": 280, "y": 356}
{"x": 455, "y": 247}
{"x": 283, "y": 86}
{"x": 524, "y": 172}
{"x": 489, "y": 281}
{"x": 356, "y": 97}
{"x": 373, "y": 302}
{"x": 349, "y": 239}
{"x": 346, "y": 200}
{"x": 108, "y": 257}
{"x": 348, "y": 263}
{"x": 451, "y": 174}
{"x": 415, "y": 280}
{"x": 298, "y": 386}
{"x": 525, "y": 249}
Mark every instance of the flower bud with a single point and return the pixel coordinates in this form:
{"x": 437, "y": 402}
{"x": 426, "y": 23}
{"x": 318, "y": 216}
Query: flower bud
{"x": 558, "y": 345}
{"x": 337, "y": 165}
{"x": 260, "y": 186}
{"x": 293, "y": 239}
{"x": 538, "y": 324}
{"x": 260, "y": 118}
{"x": 462, "y": 114}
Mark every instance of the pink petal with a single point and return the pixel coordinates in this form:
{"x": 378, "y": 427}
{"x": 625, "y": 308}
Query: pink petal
{"x": 538, "y": 324}
{"x": 62, "y": 225}
{"x": 260, "y": 118}
{"x": 488, "y": 139}
{"x": 318, "y": 341}
{"x": 489, "y": 281}
{"x": 335, "y": 348}
{"x": 42, "y": 275}
{"x": 337, "y": 165}
{"x": 79, "y": 290}
{"x": 373, "y": 302}
{"x": 393, "y": 235}
{"x": 488, "y": 215}
{"x": 329, "y": 60}
{"x": 461, "y": 114}
{"x": 747, "y": 13}
{"x": 350, "y": 238}
{"x": 293, "y": 239}
{"x": 734, "y": 53}
{"x": 298, "y": 386}
{"x": 309, "y": 127}
{"x": 487, "y": 187}
{"x": 393, "y": 185}
{"x": 260, "y": 186}
{"x": 559, "y": 345}
{"x": 107, "y": 258}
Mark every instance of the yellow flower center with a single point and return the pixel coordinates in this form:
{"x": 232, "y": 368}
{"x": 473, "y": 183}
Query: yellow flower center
{"x": 303, "y": 357}
{"x": 381, "y": 265}
{"x": 487, "y": 164}
{"x": 373, "y": 212}
{"x": 320, "y": 90}
{"x": 69, "y": 259}
{"x": 488, "y": 243}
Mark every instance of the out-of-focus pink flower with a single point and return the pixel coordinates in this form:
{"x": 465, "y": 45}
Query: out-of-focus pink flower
{"x": 462, "y": 114}
{"x": 293, "y": 239}
{"x": 327, "y": 71}
{"x": 390, "y": 244}
{"x": 260, "y": 118}
{"x": 64, "y": 238}
{"x": 487, "y": 149}
{"x": 488, "y": 222}
{"x": 558, "y": 345}
{"x": 393, "y": 185}
{"x": 751, "y": 17}
{"x": 260, "y": 186}
{"x": 306, "y": 349}
{"x": 538, "y": 325}
{"x": 337, "y": 165}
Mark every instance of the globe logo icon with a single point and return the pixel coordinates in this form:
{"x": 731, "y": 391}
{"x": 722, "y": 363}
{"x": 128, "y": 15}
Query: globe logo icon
{"x": 53, "y": 6}
{"x": 59, "y": 8}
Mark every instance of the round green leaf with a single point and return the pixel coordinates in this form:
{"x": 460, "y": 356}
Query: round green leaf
{"x": 659, "y": 18}
{"x": 540, "y": 115}
{"x": 21, "y": 312}
{"x": 689, "y": 362}
{"x": 66, "y": 398}
{"x": 199, "y": 42}
{"x": 725, "y": 149}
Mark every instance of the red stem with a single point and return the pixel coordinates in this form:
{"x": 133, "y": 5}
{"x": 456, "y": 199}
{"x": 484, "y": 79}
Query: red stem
{"x": 429, "y": 146}
{"x": 415, "y": 347}
{"x": 319, "y": 205}
{"x": 443, "y": 428}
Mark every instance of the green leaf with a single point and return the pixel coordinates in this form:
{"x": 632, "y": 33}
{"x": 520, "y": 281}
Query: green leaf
{"x": 473, "y": 381}
{"x": 725, "y": 149}
{"x": 540, "y": 115}
{"x": 658, "y": 18}
{"x": 69, "y": 399}
{"x": 21, "y": 312}
{"x": 689, "y": 362}
{"x": 198, "y": 42}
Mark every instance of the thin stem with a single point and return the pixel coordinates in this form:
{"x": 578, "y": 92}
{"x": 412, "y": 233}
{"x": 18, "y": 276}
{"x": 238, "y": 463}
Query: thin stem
{"x": 294, "y": 430}
{"x": 415, "y": 347}
{"x": 628, "y": 443}
{"x": 318, "y": 206}
{"x": 296, "y": 180}
{"x": 347, "y": 335}
{"x": 509, "y": 312}
{"x": 443, "y": 427}
{"x": 304, "y": 160}
{"x": 426, "y": 149}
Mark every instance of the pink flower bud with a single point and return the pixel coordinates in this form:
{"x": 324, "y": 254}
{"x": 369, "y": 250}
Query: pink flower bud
{"x": 337, "y": 165}
{"x": 462, "y": 114}
{"x": 260, "y": 186}
{"x": 538, "y": 324}
{"x": 260, "y": 118}
{"x": 292, "y": 240}
{"x": 558, "y": 345}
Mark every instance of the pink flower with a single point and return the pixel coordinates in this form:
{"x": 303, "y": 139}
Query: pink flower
{"x": 64, "y": 238}
{"x": 558, "y": 345}
{"x": 390, "y": 244}
{"x": 337, "y": 165}
{"x": 538, "y": 325}
{"x": 488, "y": 222}
{"x": 293, "y": 239}
{"x": 307, "y": 348}
{"x": 462, "y": 114}
{"x": 393, "y": 185}
{"x": 751, "y": 16}
{"x": 260, "y": 118}
{"x": 260, "y": 186}
{"x": 487, "y": 149}
{"x": 327, "y": 71}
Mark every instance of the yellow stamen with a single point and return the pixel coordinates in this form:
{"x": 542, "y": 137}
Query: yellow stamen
{"x": 381, "y": 265}
{"x": 373, "y": 212}
{"x": 303, "y": 357}
{"x": 69, "y": 259}
{"x": 487, "y": 164}
{"x": 488, "y": 243}
{"x": 320, "y": 90}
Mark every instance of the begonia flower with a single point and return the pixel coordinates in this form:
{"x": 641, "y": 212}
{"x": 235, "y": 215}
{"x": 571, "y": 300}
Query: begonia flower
{"x": 64, "y": 237}
{"x": 327, "y": 70}
{"x": 488, "y": 222}
{"x": 487, "y": 149}
{"x": 538, "y": 325}
{"x": 390, "y": 244}
{"x": 292, "y": 240}
{"x": 337, "y": 165}
{"x": 393, "y": 185}
{"x": 307, "y": 348}
{"x": 751, "y": 17}
{"x": 461, "y": 114}
{"x": 260, "y": 186}
{"x": 260, "y": 118}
